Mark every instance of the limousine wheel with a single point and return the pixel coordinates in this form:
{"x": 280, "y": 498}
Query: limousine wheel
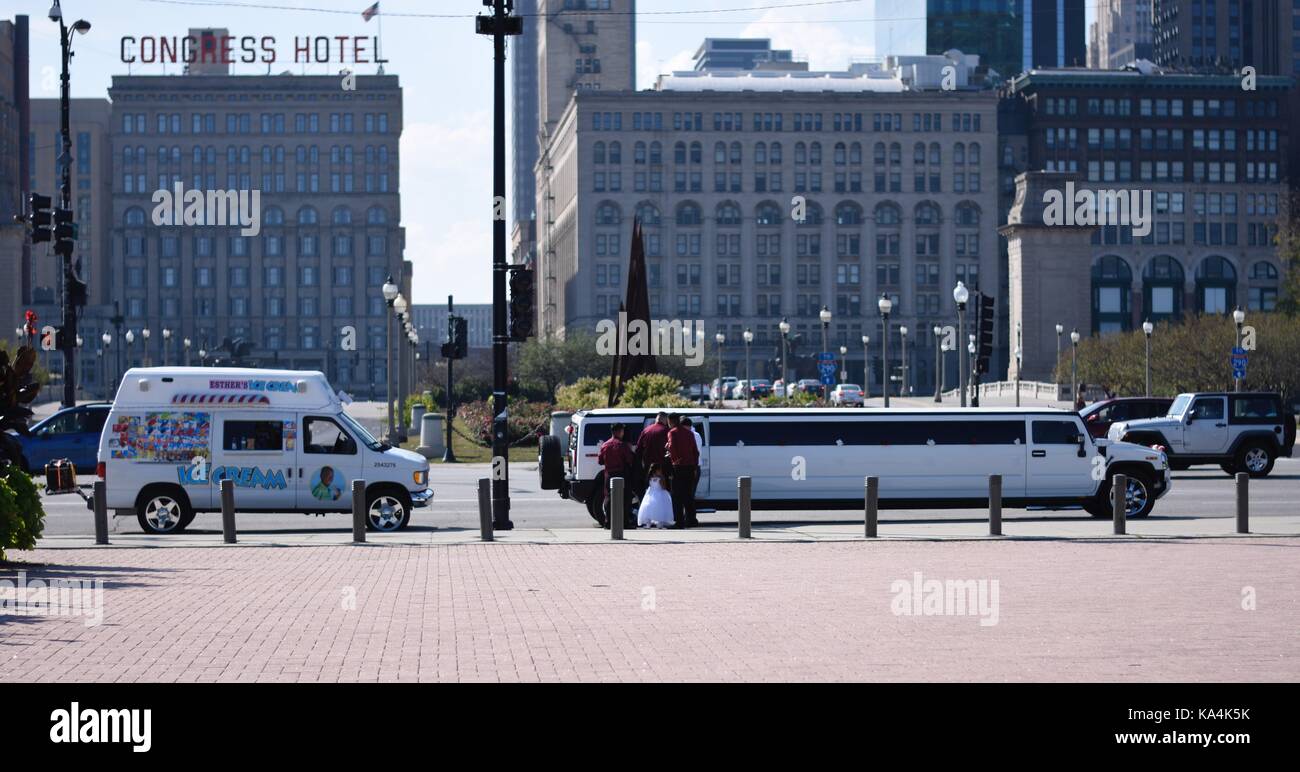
{"x": 163, "y": 511}
{"x": 387, "y": 510}
{"x": 550, "y": 463}
{"x": 1138, "y": 499}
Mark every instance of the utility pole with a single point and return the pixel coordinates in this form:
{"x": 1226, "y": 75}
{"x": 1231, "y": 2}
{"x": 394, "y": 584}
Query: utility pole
{"x": 499, "y": 25}
{"x": 73, "y": 288}
{"x": 448, "y": 455}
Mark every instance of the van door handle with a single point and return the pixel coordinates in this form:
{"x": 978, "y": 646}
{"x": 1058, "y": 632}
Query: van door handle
{"x": 1038, "y": 453}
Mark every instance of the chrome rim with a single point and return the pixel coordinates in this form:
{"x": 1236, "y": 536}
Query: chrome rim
{"x": 1135, "y": 497}
{"x": 1256, "y": 459}
{"x": 386, "y": 513}
{"x": 163, "y": 514}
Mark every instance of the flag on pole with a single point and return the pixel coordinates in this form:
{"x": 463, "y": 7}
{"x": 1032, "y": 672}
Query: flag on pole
{"x": 370, "y": 12}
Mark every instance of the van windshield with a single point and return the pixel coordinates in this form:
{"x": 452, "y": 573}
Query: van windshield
{"x": 360, "y": 431}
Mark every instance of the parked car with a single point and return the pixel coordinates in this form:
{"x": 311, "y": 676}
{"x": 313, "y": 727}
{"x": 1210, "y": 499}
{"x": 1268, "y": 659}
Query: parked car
{"x": 722, "y": 388}
{"x": 760, "y": 387}
{"x": 696, "y": 392}
{"x": 808, "y": 386}
{"x": 1239, "y": 431}
{"x": 1098, "y": 416}
{"x": 847, "y": 394}
{"x": 71, "y": 433}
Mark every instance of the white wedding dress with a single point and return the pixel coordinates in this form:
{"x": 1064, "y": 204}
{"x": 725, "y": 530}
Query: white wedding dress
{"x": 656, "y": 507}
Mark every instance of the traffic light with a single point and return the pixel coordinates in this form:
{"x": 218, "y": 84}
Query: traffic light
{"x": 40, "y": 217}
{"x": 65, "y": 232}
{"x": 457, "y": 345}
{"x": 522, "y": 290}
{"x": 984, "y": 311}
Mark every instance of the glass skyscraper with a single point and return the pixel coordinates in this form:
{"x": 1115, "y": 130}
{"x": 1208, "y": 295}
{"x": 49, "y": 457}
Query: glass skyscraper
{"x": 1010, "y": 35}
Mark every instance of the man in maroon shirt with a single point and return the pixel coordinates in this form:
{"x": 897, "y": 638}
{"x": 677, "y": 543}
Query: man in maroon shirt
{"x": 617, "y": 458}
{"x": 684, "y": 456}
{"x": 650, "y": 447}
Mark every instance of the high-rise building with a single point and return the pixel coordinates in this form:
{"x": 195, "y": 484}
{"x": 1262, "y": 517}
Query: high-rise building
{"x": 741, "y": 54}
{"x": 1010, "y": 36}
{"x": 582, "y": 46}
{"x": 325, "y": 162}
{"x": 523, "y": 140}
{"x": 15, "y": 155}
{"x": 1227, "y": 34}
{"x": 899, "y": 28}
{"x": 895, "y": 173}
{"x": 1121, "y": 34}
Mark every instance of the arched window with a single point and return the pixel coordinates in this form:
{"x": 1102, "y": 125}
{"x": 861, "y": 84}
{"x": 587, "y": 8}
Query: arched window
{"x": 308, "y": 216}
{"x": 936, "y": 154}
{"x": 813, "y": 214}
{"x": 1216, "y": 286}
{"x": 888, "y": 213}
{"x": 926, "y": 214}
{"x": 648, "y": 214}
{"x": 376, "y": 215}
{"x": 273, "y": 216}
{"x": 1162, "y": 289}
{"x": 341, "y": 216}
{"x": 968, "y": 215}
{"x": 598, "y": 153}
{"x": 737, "y": 153}
{"x": 878, "y": 154}
{"x": 768, "y": 213}
{"x": 135, "y": 216}
{"x": 1111, "y": 280}
{"x": 688, "y": 213}
{"x": 800, "y": 154}
{"x": 841, "y": 154}
{"x": 638, "y": 154}
{"x": 615, "y": 153}
{"x": 728, "y": 213}
{"x": 855, "y": 153}
{"x": 973, "y": 154}
{"x": 774, "y": 153}
{"x": 815, "y": 154}
{"x": 959, "y": 154}
{"x": 720, "y": 152}
{"x": 918, "y": 154}
{"x": 760, "y": 153}
{"x": 679, "y": 153}
{"x": 656, "y": 154}
{"x": 608, "y": 213}
{"x": 848, "y": 213}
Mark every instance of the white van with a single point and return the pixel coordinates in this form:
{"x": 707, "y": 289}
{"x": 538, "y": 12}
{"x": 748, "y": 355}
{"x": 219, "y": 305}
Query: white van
{"x": 281, "y": 435}
{"x": 818, "y": 458}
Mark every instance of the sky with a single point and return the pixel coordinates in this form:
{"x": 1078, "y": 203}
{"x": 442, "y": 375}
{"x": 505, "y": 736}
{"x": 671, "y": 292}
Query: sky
{"x": 446, "y": 76}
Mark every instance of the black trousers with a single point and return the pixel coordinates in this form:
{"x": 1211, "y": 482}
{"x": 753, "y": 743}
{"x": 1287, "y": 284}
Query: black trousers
{"x": 683, "y": 490}
{"x": 628, "y": 485}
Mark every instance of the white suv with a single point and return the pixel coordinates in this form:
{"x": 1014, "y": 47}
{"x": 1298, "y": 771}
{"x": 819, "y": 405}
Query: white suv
{"x": 1239, "y": 431}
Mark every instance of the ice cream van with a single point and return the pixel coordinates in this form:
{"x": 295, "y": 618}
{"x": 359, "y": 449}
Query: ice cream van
{"x": 281, "y": 436}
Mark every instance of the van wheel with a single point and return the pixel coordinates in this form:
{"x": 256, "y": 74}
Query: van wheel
{"x": 163, "y": 511}
{"x": 387, "y": 510}
{"x": 550, "y": 463}
{"x": 1255, "y": 460}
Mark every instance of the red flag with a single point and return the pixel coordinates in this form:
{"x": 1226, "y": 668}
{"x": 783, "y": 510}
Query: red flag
{"x": 370, "y": 12}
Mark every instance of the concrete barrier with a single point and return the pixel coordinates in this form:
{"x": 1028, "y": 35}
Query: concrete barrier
{"x": 431, "y": 436}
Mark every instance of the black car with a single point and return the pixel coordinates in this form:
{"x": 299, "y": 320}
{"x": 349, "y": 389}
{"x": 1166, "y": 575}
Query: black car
{"x": 1101, "y": 414}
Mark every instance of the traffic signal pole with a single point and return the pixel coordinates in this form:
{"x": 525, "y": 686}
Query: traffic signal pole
{"x": 448, "y": 455}
{"x": 69, "y": 342}
{"x": 499, "y": 25}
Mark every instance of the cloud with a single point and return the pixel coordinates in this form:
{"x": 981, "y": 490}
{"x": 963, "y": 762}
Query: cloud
{"x": 650, "y": 65}
{"x": 826, "y": 45}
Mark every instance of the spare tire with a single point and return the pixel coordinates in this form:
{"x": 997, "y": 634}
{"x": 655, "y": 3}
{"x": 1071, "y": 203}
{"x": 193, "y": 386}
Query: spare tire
{"x": 550, "y": 462}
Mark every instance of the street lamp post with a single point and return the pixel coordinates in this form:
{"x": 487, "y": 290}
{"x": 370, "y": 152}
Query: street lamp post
{"x": 1019, "y": 361}
{"x": 1239, "y": 317}
{"x": 785, "y": 382}
{"x": 130, "y": 341}
{"x": 970, "y": 372}
{"x": 720, "y": 339}
{"x": 390, "y": 297}
{"x": 107, "y": 340}
{"x": 938, "y": 364}
{"x": 970, "y": 351}
{"x": 167, "y": 336}
{"x": 1057, "y": 364}
{"x": 399, "y": 309}
{"x": 944, "y": 348}
{"x": 866, "y": 369}
{"x": 1148, "y": 328}
{"x": 825, "y": 316}
{"x": 844, "y": 364}
{"x": 902, "y": 333}
{"x": 960, "y": 294}
{"x": 1074, "y": 366}
{"x": 203, "y": 357}
{"x": 186, "y": 344}
{"x": 148, "y": 362}
{"x": 749, "y": 384}
{"x": 885, "y": 305}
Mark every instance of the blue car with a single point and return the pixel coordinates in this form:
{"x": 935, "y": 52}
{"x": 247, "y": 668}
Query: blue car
{"x": 72, "y": 433}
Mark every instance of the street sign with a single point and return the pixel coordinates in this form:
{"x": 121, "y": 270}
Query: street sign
{"x": 1239, "y": 360}
{"x": 826, "y": 367}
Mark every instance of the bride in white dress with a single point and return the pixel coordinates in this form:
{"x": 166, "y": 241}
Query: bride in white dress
{"x": 657, "y": 505}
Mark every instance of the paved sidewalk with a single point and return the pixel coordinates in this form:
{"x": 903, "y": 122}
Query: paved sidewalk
{"x": 1123, "y": 610}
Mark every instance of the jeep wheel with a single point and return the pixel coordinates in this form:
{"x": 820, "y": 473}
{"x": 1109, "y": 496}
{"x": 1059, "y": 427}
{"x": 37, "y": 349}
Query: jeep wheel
{"x": 1255, "y": 460}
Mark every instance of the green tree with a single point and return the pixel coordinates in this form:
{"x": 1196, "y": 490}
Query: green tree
{"x": 553, "y": 362}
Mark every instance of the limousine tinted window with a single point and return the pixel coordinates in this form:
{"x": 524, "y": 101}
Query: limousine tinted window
{"x": 596, "y": 433}
{"x": 1056, "y": 433}
{"x": 912, "y": 432}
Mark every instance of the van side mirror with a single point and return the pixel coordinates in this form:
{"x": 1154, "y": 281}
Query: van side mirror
{"x": 1082, "y": 441}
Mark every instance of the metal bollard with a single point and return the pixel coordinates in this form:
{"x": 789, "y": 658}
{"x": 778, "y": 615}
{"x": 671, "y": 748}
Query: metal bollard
{"x": 1118, "y": 502}
{"x": 228, "y": 511}
{"x": 744, "y": 487}
{"x": 359, "y": 511}
{"x": 995, "y": 505}
{"x": 1243, "y": 502}
{"x": 101, "y": 512}
{"x": 485, "y": 509}
{"x": 616, "y": 513}
{"x": 873, "y": 501}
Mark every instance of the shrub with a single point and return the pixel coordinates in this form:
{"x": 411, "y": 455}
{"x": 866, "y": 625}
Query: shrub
{"x": 525, "y": 420}
{"x": 22, "y": 518}
{"x": 797, "y": 399}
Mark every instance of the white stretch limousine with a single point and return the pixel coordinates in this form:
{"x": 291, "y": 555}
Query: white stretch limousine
{"x": 819, "y": 458}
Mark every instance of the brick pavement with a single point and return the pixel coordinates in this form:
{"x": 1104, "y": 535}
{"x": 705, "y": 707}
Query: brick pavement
{"x": 1068, "y": 611}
